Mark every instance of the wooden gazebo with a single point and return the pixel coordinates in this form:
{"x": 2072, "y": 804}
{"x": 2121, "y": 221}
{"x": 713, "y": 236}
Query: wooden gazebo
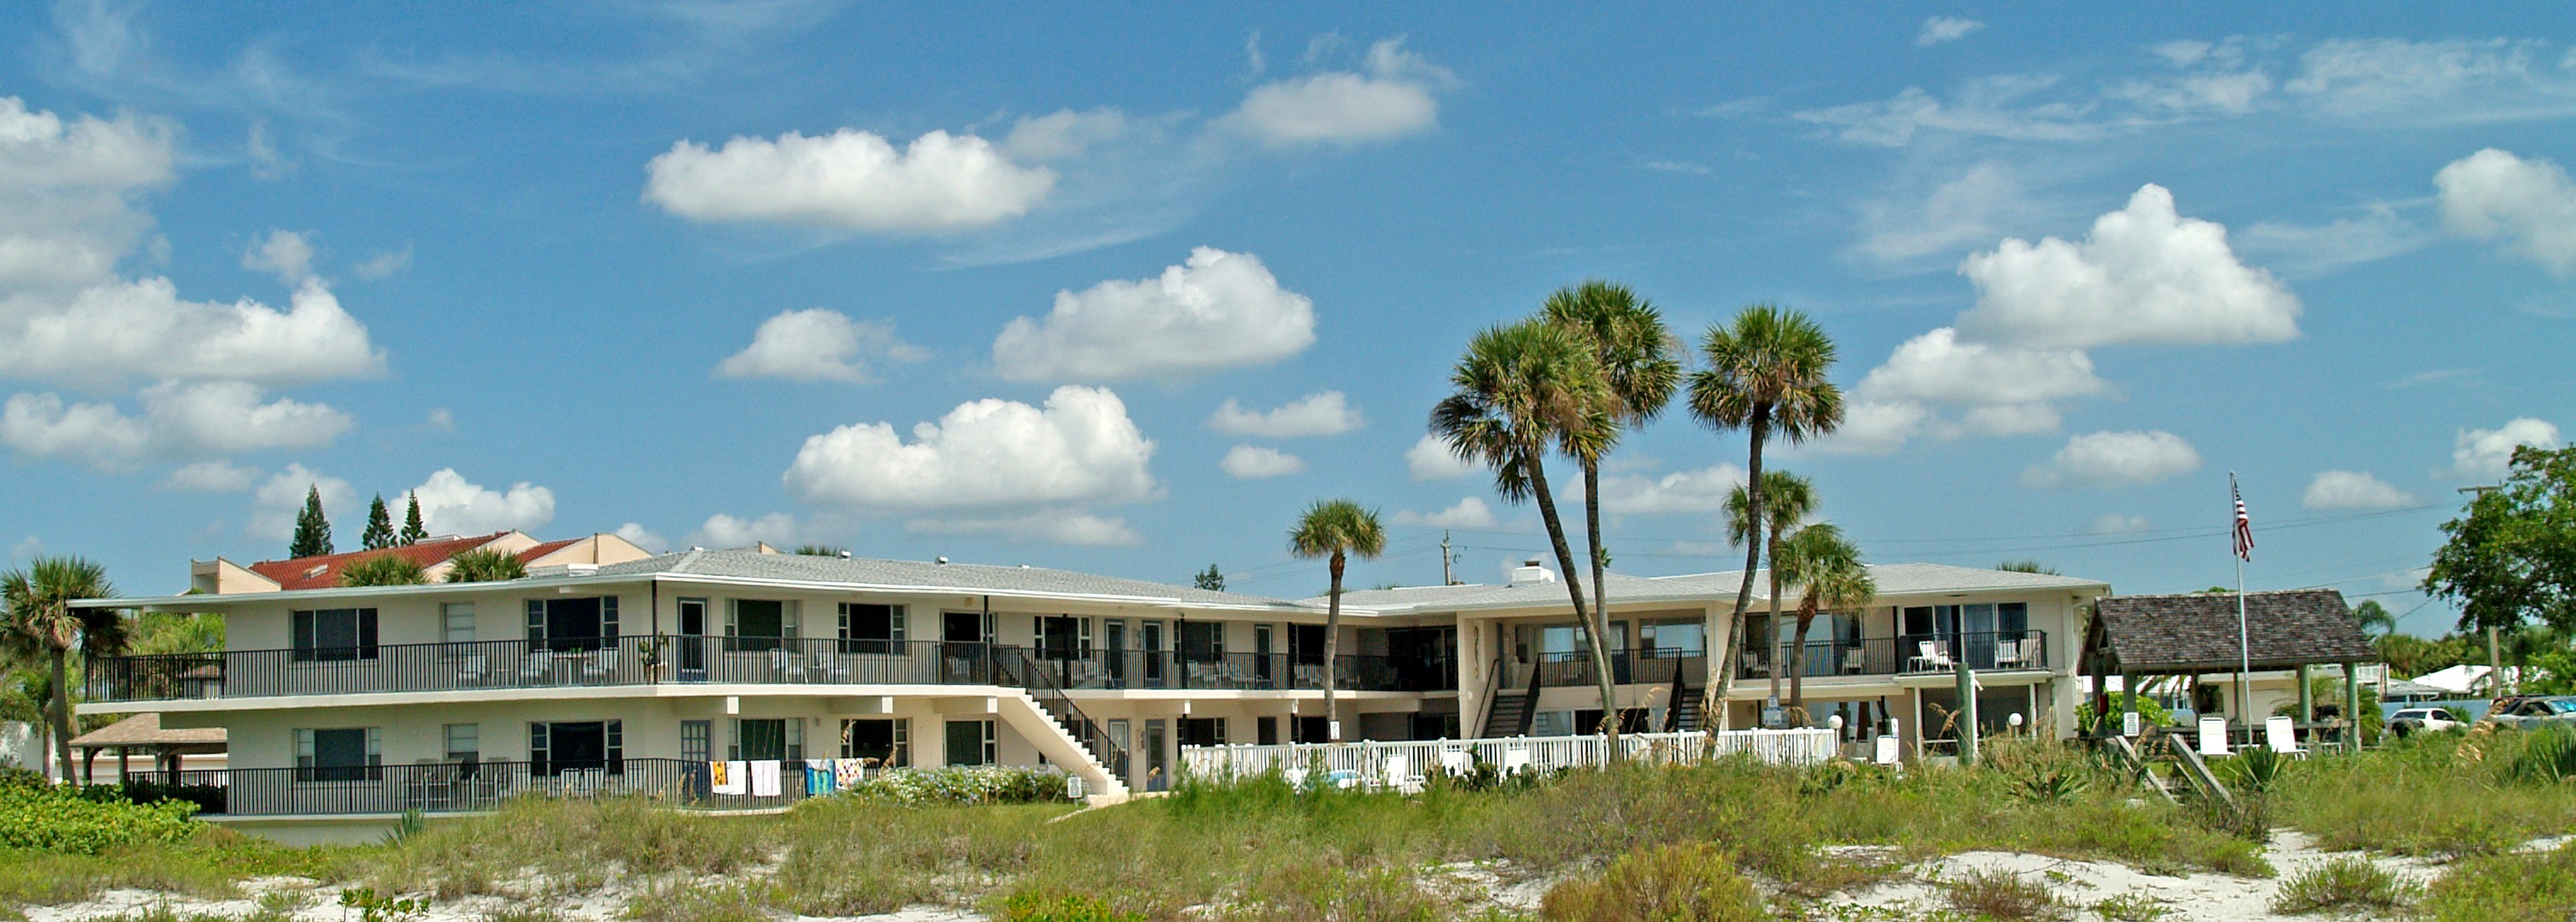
{"x": 143, "y": 733}
{"x": 2195, "y": 634}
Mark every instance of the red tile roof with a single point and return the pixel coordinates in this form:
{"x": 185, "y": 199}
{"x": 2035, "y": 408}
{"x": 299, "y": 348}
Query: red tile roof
{"x": 324, "y": 572}
{"x": 530, "y": 555}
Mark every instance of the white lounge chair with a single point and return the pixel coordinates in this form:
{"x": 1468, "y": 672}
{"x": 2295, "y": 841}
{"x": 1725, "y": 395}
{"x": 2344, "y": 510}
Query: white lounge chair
{"x": 1852, "y": 661}
{"x": 2282, "y": 735}
{"x": 602, "y": 664}
{"x": 1399, "y": 774}
{"x": 1516, "y": 761}
{"x": 2213, "y": 736}
{"x": 538, "y": 665}
{"x": 2009, "y": 655}
{"x": 788, "y": 666}
{"x": 469, "y": 668}
{"x": 1458, "y": 764}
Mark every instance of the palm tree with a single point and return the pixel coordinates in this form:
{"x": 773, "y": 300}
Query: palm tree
{"x": 40, "y": 622}
{"x": 1765, "y": 375}
{"x": 384, "y": 570}
{"x": 1788, "y": 499}
{"x": 1829, "y": 575}
{"x": 1522, "y": 388}
{"x": 1639, "y": 374}
{"x": 481, "y": 565}
{"x": 1335, "y": 529}
{"x": 2373, "y": 616}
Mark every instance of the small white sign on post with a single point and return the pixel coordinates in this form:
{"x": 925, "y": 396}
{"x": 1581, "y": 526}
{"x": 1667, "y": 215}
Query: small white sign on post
{"x": 2129, "y": 724}
{"x": 1333, "y": 731}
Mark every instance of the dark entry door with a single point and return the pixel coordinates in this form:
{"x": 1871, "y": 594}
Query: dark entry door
{"x": 961, "y": 647}
{"x": 692, "y": 640}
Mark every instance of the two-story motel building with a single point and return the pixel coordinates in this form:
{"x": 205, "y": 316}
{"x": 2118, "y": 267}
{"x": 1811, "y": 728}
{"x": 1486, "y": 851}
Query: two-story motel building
{"x": 346, "y": 707}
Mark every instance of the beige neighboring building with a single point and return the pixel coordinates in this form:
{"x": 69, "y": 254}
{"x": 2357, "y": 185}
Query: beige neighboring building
{"x": 345, "y": 707}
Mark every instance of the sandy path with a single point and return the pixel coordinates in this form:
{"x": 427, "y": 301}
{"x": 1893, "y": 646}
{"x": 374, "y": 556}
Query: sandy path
{"x": 2201, "y": 897}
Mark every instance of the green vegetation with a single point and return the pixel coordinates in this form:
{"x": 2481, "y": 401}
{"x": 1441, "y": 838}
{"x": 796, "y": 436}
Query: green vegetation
{"x": 2505, "y": 888}
{"x": 1335, "y": 529}
{"x": 2344, "y": 885}
{"x": 1210, "y": 579}
{"x": 380, "y": 527}
{"x": 820, "y": 550}
{"x": 2002, "y": 895}
{"x": 482, "y": 565}
{"x": 2027, "y": 565}
{"x": 2508, "y": 557}
{"x": 312, "y": 528}
{"x": 959, "y": 786}
{"x": 39, "y": 624}
{"x": 2435, "y": 794}
{"x": 38, "y": 817}
{"x": 384, "y": 570}
{"x": 413, "y": 531}
{"x": 1688, "y": 880}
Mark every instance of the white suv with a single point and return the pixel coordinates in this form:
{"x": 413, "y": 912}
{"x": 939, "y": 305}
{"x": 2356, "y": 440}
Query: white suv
{"x": 2410, "y": 720}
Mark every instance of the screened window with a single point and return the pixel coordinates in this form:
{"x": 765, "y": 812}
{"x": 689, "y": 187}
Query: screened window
{"x": 867, "y": 628}
{"x": 970, "y": 742}
{"x": 329, "y": 634}
{"x": 580, "y": 745}
{"x": 572, "y": 624}
{"x": 339, "y": 754}
{"x": 767, "y": 738}
{"x": 887, "y": 741}
{"x": 759, "y": 624}
{"x": 464, "y": 743}
{"x": 456, "y": 622}
{"x": 1202, "y": 731}
{"x": 1202, "y": 641}
{"x": 696, "y": 739}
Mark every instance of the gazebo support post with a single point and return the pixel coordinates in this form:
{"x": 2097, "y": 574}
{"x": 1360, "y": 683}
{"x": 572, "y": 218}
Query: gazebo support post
{"x": 2352, "y": 702}
{"x": 2307, "y": 698}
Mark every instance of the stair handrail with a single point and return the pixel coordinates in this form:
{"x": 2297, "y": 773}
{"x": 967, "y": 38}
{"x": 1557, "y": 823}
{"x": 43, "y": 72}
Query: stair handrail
{"x": 1673, "y": 704}
{"x": 1529, "y": 708}
{"x": 1078, "y": 725}
{"x": 1493, "y": 684}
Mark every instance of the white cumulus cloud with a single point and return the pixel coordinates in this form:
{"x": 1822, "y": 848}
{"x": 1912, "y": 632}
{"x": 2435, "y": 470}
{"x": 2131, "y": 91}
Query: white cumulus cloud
{"x": 1326, "y": 413}
{"x": 285, "y": 253}
{"x": 1390, "y": 96}
{"x": 988, "y": 454}
{"x": 1253, "y": 462}
{"x": 1218, "y": 310}
{"x": 2487, "y": 454}
{"x": 1470, "y": 512}
{"x": 1430, "y": 459}
{"x": 211, "y": 477}
{"x": 725, "y": 531}
{"x": 103, "y": 335}
{"x": 2145, "y": 275}
{"x": 847, "y": 179}
{"x": 451, "y": 505}
{"x": 383, "y": 265}
{"x": 1940, "y": 29}
{"x": 1059, "y": 526}
{"x": 2113, "y": 523}
{"x": 2529, "y": 205}
{"x": 818, "y": 345}
{"x": 2112, "y": 459}
{"x": 640, "y": 536}
{"x": 274, "y": 505}
{"x": 2353, "y": 490}
{"x": 1700, "y": 490}
{"x": 179, "y": 420}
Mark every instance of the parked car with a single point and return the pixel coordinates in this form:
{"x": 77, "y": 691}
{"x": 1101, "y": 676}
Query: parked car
{"x": 2536, "y": 711}
{"x": 2411, "y": 720}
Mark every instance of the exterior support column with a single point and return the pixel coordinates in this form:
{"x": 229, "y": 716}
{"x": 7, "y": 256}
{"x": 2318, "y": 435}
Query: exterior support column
{"x": 1967, "y": 711}
{"x": 2352, "y": 703}
{"x": 2307, "y": 697}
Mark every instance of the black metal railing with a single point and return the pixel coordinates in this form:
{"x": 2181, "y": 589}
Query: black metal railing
{"x": 1032, "y": 674}
{"x": 451, "y": 786}
{"x": 1655, "y": 666}
{"x": 1985, "y": 650}
{"x": 650, "y": 659}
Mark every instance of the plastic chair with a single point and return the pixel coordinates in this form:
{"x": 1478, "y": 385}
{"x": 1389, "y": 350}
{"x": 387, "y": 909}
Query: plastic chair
{"x": 2281, "y": 734}
{"x": 2213, "y": 736}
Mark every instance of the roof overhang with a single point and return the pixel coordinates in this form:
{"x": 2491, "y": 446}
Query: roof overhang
{"x": 210, "y": 601}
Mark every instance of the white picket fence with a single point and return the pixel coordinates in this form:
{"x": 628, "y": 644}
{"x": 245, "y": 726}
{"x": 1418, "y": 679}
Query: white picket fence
{"x": 1396, "y": 762}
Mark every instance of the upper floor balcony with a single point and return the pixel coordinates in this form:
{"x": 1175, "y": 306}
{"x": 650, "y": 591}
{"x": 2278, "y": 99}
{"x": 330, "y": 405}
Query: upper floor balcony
{"x": 578, "y": 662}
{"x": 1909, "y": 655}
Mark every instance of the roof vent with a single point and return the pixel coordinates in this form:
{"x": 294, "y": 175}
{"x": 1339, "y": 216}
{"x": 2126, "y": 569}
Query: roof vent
{"x": 845, "y": 555}
{"x": 1532, "y": 573}
{"x": 943, "y": 561}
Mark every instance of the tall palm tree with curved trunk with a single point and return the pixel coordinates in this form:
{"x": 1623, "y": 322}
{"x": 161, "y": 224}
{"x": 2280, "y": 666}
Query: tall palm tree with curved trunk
{"x": 1765, "y": 374}
{"x": 1787, "y": 499}
{"x": 1335, "y": 529}
{"x": 1638, "y": 374}
{"x": 1830, "y": 576}
{"x": 1520, "y": 390}
{"x": 37, "y": 621}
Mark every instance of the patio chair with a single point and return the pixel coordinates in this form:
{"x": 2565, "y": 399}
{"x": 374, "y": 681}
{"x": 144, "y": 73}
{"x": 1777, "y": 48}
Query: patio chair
{"x": 2009, "y": 654}
{"x": 602, "y": 664}
{"x": 1239, "y": 675}
{"x": 1853, "y": 664}
{"x": 1458, "y": 764}
{"x": 1310, "y": 675}
{"x": 538, "y": 665}
{"x": 2282, "y": 735}
{"x": 1516, "y": 761}
{"x": 469, "y": 669}
{"x": 2213, "y": 736}
{"x": 786, "y": 665}
{"x": 1752, "y": 664}
{"x": 1931, "y": 656}
{"x": 1400, "y": 776}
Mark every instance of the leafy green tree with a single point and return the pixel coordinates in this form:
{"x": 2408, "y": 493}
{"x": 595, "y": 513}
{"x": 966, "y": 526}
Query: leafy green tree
{"x": 1634, "y": 351}
{"x": 154, "y": 632}
{"x": 820, "y": 550}
{"x": 1788, "y": 500}
{"x": 1211, "y": 579}
{"x": 483, "y": 565}
{"x": 1829, "y": 574}
{"x": 2373, "y": 616}
{"x": 1335, "y": 529}
{"x": 2027, "y": 566}
{"x": 1765, "y": 375}
{"x": 384, "y": 570}
{"x": 312, "y": 528}
{"x": 380, "y": 527}
{"x": 413, "y": 530}
{"x": 38, "y": 621}
{"x": 2511, "y": 555}
{"x": 1520, "y": 390}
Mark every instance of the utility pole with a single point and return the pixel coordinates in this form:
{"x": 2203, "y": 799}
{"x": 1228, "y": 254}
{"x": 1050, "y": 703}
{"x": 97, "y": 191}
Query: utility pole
{"x": 2495, "y": 653}
{"x": 1446, "y": 579}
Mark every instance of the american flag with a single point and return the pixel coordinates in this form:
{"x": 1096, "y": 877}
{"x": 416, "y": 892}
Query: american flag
{"x": 2244, "y": 524}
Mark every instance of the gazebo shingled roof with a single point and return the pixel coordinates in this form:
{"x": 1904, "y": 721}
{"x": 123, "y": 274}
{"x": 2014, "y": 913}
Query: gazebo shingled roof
{"x": 2197, "y": 633}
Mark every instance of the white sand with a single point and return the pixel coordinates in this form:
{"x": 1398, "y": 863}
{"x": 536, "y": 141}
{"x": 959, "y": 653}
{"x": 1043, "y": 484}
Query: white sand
{"x": 2203, "y": 897}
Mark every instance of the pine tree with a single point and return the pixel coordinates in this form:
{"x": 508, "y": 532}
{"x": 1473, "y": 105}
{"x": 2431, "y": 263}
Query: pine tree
{"x": 380, "y": 526}
{"x": 413, "y": 531}
{"x": 1213, "y": 580}
{"x": 312, "y": 529}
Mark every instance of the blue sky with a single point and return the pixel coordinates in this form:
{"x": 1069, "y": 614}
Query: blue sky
{"x": 944, "y": 279}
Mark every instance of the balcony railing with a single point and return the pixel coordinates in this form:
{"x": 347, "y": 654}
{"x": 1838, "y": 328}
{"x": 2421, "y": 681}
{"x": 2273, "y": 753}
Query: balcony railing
{"x": 655, "y": 659}
{"x": 1987, "y": 650}
{"x": 450, "y": 787}
{"x": 1627, "y": 667}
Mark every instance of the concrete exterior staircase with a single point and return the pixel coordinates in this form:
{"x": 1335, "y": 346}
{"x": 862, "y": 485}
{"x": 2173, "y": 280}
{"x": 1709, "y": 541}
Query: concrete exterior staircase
{"x": 1022, "y": 713}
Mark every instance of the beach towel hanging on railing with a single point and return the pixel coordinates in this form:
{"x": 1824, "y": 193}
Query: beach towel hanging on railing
{"x": 819, "y": 779}
{"x": 764, "y": 778}
{"x": 727, "y": 777}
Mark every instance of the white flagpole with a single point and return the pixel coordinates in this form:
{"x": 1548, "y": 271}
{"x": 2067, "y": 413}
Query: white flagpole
{"x": 2244, "y": 649}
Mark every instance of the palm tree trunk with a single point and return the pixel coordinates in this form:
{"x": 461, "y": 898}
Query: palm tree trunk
{"x": 1798, "y": 662}
{"x": 1332, "y": 653}
{"x": 1531, "y": 461}
{"x": 1771, "y": 550}
{"x": 62, "y": 712}
{"x": 1600, "y": 596}
{"x": 1716, "y": 703}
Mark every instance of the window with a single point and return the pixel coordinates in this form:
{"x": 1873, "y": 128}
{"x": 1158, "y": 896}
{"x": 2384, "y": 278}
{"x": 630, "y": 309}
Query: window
{"x": 565, "y": 746}
{"x": 464, "y": 743}
{"x": 2012, "y": 618}
{"x": 1202, "y": 641}
{"x": 869, "y": 628}
{"x": 970, "y": 742}
{"x": 340, "y": 754}
{"x": 334, "y": 634}
{"x": 696, "y": 741}
{"x": 1553, "y": 723}
{"x": 759, "y": 624}
{"x": 770, "y": 738}
{"x": 1202, "y": 731}
{"x": 1675, "y": 638}
{"x": 1267, "y": 729}
{"x": 456, "y": 622}
{"x": 887, "y": 741}
{"x": 572, "y": 624}
{"x": 1061, "y": 636}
